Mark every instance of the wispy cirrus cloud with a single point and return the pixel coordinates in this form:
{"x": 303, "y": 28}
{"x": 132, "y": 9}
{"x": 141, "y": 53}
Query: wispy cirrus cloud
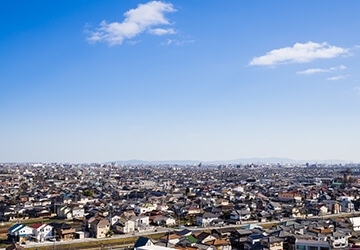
{"x": 319, "y": 70}
{"x": 161, "y": 32}
{"x": 299, "y": 53}
{"x": 335, "y": 78}
{"x": 138, "y": 20}
{"x": 177, "y": 42}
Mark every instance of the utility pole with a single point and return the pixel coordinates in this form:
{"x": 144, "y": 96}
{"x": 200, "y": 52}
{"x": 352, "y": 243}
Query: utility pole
{"x": 240, "y": 217}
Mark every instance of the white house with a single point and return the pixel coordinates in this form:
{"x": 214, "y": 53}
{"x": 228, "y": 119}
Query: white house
{"x": 114, "y": 219}
{"x": 346, "y": 198}
{"x": 77, "y": 212}
{"x": 141, "y": 222}
{"x": 206, "y": 219}
{"x": 164, "y": 220}
{"x": 84, "y": 199}
{"x": 355, "y": 223}
{"x": 273, "y": 206}
{"x": 145, "y": 208}
{"x": 238, "y": 215}
{"x": 125, "y": 226}
{"x": 339, "y": 240}
{"x": 19, "y": 233}
{"x": 41, "y": 232}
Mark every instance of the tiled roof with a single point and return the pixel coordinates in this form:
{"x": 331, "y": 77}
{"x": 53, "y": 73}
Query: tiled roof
{"x": 36, "y": 225}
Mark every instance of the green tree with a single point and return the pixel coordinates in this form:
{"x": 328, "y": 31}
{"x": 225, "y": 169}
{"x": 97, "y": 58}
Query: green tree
{"x": 109, "y": 233}
{"x": 89, "y": 192}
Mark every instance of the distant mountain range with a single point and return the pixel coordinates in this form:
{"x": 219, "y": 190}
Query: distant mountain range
{"x": 273, "y": 160}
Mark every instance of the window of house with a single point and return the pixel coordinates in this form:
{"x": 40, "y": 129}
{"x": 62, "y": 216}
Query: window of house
{"x": 324, "y": 248}
{"x": 300, "y": 247}
{"x": 313, "y": 248}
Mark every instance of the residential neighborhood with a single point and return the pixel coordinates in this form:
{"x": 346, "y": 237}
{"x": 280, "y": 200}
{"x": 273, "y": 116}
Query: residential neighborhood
{"x": 201, "y": 207}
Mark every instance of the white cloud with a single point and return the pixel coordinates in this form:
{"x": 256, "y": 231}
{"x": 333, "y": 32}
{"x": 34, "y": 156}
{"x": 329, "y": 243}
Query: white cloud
{"x": 161, "y": 32}
{"x": 335, "y": 78}
{"x": 138, "y": 20}
{"x": 177, "y": 42}
{"x": 317, "y": 70}
{"x": 133, "y": 42}
{"x": 299, "y": 53}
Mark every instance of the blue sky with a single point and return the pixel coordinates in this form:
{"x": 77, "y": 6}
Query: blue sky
{"x": 93, "y": 81}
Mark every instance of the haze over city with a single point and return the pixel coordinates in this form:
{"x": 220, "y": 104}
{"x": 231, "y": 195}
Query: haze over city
{"x": 100, "y": 81}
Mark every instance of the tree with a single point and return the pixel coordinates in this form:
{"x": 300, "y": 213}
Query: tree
{"x": 89, "y": 192}
{"x": 109, "y": 233}
{"x": 227, "y": 214}
{"x": 187, "y": 191}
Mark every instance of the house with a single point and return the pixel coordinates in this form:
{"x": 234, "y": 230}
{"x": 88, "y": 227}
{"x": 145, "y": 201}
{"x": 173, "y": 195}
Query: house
{"x": 99, "y": 228}
{"x": 114, "y": 219}
{"x": 295, "y": 212}
{"x": 42, "y": 232}
{"x": 273, "y": 207}
{"x": 347, "y": 206}
{"x": 141, "y": 222}
{"x": 355, "y": 221}
{"x": 78, "y": 212}
{"x": 155, "y": 247}
{"x": 142, "y": 242}
{"x": 219, "y": 244}
{"x": 87, "y": 223}
{"x": 239, "y": 215}
{"x": 84, "y": 199}
{"x": 193, "y": 211}
{"x": 184, "y": 232}
{"x": 170, "y": 239}
{"x": 285, "y": 197}
{"x": 203, "y": 237}
{"x": 63, "y": 231}
{"x": 239, "y": 238}
{"x": 144, "y": 208}
{"x": 223, "y": 233}
{"x": 339, "y": 240}
{"x": 253, "y": 242}
{"x": 64, "y": 212}
{"x": 37, "y": 212}
{"x": 304, "y": 244}
{"x": 164, "y": 220}
{"x": 124, "y": 226}
{"x": 206, "y": 219}
{"x": 272, "y": 243}
{"x": 187, "y": 243}
{"x": 318, "y": 209}
{"x": 7, "y": 214}
{"x": 19, "y": 233}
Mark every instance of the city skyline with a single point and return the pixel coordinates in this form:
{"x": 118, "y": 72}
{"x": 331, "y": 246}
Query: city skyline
{"x": 94, "y": 81}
